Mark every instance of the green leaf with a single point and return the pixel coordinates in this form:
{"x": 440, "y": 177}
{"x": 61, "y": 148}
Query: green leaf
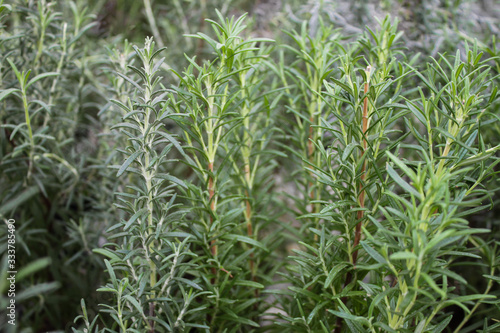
{"x": 402, "y": 166}
{"x": 129, "y": 80}
{"x": 33, "y": 267}
{"x": 41, "y": 76}
{"x": 333, "y": 273}
{"x": 477, "y": 158}
{"x": 18, "y": 200}
{"x": 401, "y": 182}
{"x": 7, "y": 92}
{"x": 474, "y": 297}
{"x": 420, "y": 327}
{"x": 134, "y": 217}
{"x": 348, "y": 150}
{"x": 442, "y": 325}
{"x": 107, "y": 253}
{"x": 111, "y": 272}
{"x": 492, "y": 277}
{"x": 135, "y": 303}
{"x": 172, "y": 140}
{"x": 251, "y": 284}
{"x": 189, "y": 283}
{"x": 238, "y": 319}
{"x": 315, "y": 311}
{"x": 374, "y": 254}
{"x": 305, "y": 292}
{"x": 39, "y": 289}
{"x": 177, "y": 234}
{"x": 348, "y": 316}
{"x": 129, "y": 160}
{"x": 433, "y": 284}
{"x": 245, "y": 239}
{"x": 403, "y": 255}
{"x": 173, "y": 179}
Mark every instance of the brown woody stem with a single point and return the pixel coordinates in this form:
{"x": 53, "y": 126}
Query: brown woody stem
{"x": 360, "y": 214}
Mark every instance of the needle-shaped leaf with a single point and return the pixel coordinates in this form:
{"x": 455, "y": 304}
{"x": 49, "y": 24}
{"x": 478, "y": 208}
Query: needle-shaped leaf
{"x": 127, "y": 162}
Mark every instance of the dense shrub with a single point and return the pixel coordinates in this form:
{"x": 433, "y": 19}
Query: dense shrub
{"x": 315, "y": 180}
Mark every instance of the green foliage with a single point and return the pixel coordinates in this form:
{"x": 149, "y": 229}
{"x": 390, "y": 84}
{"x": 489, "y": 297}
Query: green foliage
{"x": 44, "y": 185}
{"x": 411, "y": 213}
{"x": 316, "y": 179}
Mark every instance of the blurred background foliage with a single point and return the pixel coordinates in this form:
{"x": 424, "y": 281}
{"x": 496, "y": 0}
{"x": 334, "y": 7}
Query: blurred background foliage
{"x": 55, "y": 182}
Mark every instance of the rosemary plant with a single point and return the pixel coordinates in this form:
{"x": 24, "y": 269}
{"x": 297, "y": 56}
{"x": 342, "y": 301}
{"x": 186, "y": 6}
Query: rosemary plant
{"x": 340, "y": 179}
{"x": 151, "y": 293}
{"x": 43, "y": 91}
{"x": 224, "y": 105}
{"x": 391, "y": 229}
{"x": 307, "y": 102}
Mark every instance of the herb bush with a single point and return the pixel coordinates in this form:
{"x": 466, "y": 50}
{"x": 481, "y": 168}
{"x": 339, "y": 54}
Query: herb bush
{"x": 46, "y": 155}
{"x": 316, "y": 181}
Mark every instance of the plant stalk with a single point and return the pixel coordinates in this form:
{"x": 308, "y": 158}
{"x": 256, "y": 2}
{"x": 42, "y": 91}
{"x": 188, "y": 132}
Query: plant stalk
{"x": 211, "y": 192}
{"x": 361, "y": 198}
{"x": 152, "y": 23}
{"x": 361, "y": 213}
{"x": 30, "y": 131}
{"x": 248, "y": 174}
